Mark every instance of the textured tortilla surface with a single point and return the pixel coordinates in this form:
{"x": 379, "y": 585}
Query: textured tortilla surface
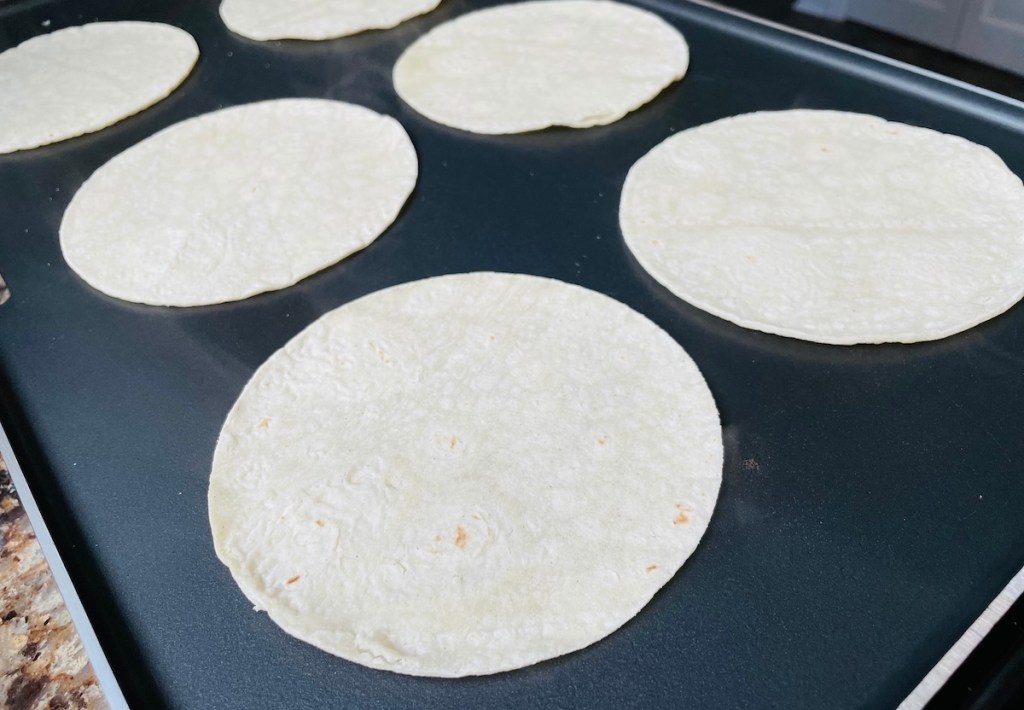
{"x": 80, "y": 79}
{"x": 832, "y": 227}
{"x": 527, "y": 66}
{"x": 240, "y": 201}
{"x": 465, "y": 474}
{"x": 317, "y": 19}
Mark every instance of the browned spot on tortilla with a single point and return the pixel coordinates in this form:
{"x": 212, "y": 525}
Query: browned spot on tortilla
{"x": 319, "y": 523}
{"x": 492, "y": 337}
{"x": 651, "y": 568}
{"x": 453, "y": 443}
{"x": 824, "y": 149}
{"x": 293, "y": 580}
{"x": 379, "y": 352}
{"x": 460, "y": 537}
{"x": 264, "y": 423}
{"x": 602, "y": 440}
{"x": 437, "y": 538}
{"x": 475, "y": 516}
{"x": 681, "y": 518}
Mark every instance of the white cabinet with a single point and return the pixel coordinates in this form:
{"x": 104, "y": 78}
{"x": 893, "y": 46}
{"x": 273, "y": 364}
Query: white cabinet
{"x": 991, "y": 31}
{"x": 931, "y": 21}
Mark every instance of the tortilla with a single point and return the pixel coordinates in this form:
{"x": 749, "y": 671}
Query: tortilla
{"x": 317, "y": 19}
{"x": 239, "y": 201}
{"x": 527, "y": 66}
{"x": 832, "y": 227}
{"x": 465, "y": 474}
{"x": 81, "y": 79}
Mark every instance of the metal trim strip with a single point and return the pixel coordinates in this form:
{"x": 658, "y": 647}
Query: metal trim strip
{"x": 960, "y": 650}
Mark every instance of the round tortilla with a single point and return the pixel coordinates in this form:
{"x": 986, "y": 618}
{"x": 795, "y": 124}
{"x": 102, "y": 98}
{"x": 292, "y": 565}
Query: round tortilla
{"x": 81, "y": 79}
{"x": 527, "y": 66}
{"x": 465, "y": 474}
{"x": 317, "y": 19}
{"x": 239, "y": 201}
{"x": 832, "y": 227}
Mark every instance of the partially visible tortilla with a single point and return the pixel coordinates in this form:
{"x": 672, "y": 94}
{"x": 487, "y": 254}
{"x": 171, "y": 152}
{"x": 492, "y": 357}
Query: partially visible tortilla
{"x": 81, "y": 79}
{"x": 832, "y": 227}
{"x": 317, "y": 19}
{"x": 466, "y": 474}
{"x": 239, "y": 201}
{"x": 526, "y": 66}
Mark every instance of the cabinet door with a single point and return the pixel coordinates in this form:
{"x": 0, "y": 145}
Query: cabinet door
{"x": 993, "y": 32}
{"x": 935, "y": 22}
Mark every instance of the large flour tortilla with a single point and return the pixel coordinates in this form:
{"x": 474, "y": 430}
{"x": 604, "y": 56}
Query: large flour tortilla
{"x": 832, "y": 227}
{"x": 239, "y": 201}
{"x": 465, "y": 474}
{"x": 81, "y": 79}
{"x": 316, "y": 19}
{"x": 531, "y": 65}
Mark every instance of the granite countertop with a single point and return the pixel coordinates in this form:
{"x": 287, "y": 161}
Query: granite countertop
{"x": 42, "y": 662}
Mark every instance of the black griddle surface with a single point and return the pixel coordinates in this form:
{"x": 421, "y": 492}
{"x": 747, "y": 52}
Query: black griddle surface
{"x": 872, "y": 495}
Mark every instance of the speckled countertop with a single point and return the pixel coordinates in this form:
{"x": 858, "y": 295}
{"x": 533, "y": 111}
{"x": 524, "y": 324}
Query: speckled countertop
{"x": 42, "y": 663}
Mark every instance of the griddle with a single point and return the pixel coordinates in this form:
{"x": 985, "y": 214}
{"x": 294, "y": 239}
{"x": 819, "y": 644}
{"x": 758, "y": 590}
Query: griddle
{"x": 871, "y": 506}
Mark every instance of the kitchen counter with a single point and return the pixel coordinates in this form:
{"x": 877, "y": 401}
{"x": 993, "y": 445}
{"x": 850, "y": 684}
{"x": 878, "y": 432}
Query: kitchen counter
{"x": 42, "y": 661}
